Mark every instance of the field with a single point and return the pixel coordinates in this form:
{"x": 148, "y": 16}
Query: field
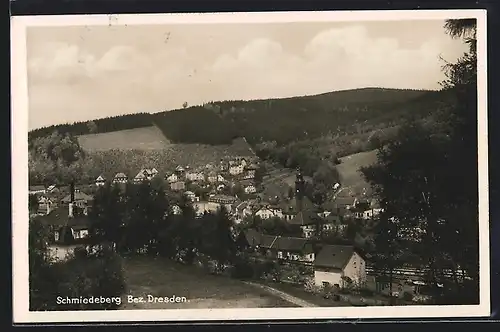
{"x": 162, "y": 278}
{"x": 146, "y": 138}
{"x": 350, "y": 176}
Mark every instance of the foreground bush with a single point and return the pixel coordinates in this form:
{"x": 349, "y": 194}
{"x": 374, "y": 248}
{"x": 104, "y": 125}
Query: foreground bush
{"x": 83, "y": 276}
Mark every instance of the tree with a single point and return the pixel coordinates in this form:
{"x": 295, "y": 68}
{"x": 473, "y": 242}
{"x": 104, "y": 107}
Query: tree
{"x": 92, "y": 127}
{"x": 184, "y": 104}
{"x": 33, "y": 203}
{"x": 415, "y": 179}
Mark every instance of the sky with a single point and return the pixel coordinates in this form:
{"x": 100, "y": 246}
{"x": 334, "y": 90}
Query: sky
{"x": 80, "y": 73}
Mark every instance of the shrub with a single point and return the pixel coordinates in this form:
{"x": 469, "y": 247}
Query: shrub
{"x": 407, "y": 296}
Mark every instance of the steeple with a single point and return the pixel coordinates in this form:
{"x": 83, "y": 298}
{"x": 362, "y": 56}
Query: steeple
{"x": 299, "y": 189}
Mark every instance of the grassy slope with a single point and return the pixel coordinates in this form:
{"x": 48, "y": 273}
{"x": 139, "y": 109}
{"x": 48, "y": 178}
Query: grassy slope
{"x": 350, "y": 175}
{"x": 145, "y": 138}
{"x": 159, "y": 277}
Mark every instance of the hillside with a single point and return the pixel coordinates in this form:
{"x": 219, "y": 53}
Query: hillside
{"x": 281, "y": 120}
{"x": 349, "y": 170}
{"x": 142, "y": 138}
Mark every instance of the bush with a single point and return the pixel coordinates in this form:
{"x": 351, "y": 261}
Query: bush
{"x": 407, "y": 296}
{"x": 366, "y": 292}
{"x": 98, "y": 274}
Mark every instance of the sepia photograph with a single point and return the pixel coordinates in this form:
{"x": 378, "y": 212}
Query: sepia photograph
{"x": 250, "y": 166}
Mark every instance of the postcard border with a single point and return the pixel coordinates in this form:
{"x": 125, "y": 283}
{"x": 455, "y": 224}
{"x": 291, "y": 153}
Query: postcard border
{"x": 19, "y": 125}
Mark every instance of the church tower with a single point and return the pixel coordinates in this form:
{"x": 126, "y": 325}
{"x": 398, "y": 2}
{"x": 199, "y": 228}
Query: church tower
{"x": 299, "y": 190}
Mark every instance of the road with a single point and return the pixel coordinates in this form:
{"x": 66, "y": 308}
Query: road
{"x": 284, "y": 296}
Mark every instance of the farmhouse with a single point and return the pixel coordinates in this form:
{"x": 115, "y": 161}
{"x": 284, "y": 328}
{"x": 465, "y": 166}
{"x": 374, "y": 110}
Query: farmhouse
{"x": 177, "y": 186}
{"x": 120, "y": 178}
{"x": 337, "y": 265}
{"x": 100, "y": 181}
{"x": 37, "y": 190}
{"x": 171, "y": 177}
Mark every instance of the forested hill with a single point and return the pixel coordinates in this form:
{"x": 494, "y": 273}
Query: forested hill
{"x": 281, "y": 120}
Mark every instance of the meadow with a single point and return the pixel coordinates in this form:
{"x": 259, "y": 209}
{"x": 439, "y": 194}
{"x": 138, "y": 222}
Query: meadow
{"x": 145, "y": 138}
{"x": 349, "y": 170}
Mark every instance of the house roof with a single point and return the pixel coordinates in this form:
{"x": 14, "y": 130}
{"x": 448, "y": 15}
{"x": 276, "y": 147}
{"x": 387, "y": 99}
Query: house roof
{"x": 79, "y": 196}
{"x": 304, "y": 218}
{"x": 334, "y": 256}
{"x": 252, "y": 237}
{"x": 223, "y": 198}
{"x": 36, "y": 188}
{"x": 247, "y": 183}
{"x": 344, "y": 200}
{"x": 279, "y": 242}
{"x": 120, "y": 175}
{"x": 332, "y": 219}
{"x": 59, "y": 217}
{"x": 140, "y": 175}
{"x": 100, "y": 178}
{"x": 252, "y": 167}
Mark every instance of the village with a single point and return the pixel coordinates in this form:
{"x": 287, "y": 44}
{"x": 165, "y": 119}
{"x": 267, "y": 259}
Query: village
{"x": 236, "y": 184}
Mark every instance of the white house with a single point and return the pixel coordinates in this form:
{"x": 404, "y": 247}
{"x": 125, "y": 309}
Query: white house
{"x": 120, "y": 178}
{"x": 195, "y": 176}
{"x": 100, "y": 181}
{"x": 171, "y": 178}
{"x": 336, "y": 265}
{"x": 236, "y": 169}
{"x": 265, "y": 213}
{"x": 371, "y": 213}
{"x": 220, "y": 178}
{"x": 212, "y": 177}
{"x": 140, "y": 177}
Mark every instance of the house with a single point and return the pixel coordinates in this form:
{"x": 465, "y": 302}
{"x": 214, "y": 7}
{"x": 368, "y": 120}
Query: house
{"x": 178, "y": 185}
{"x": 69, "y": 224}
{"x": 220, "y": 178}
{"x": 212, "y": 177}
{"x": 37, "y": 190}
{"x": 243, "y": 210}
{"x": 266, "y": 213}
{"x": 195, "y": 176}
{"x": 371, "y": 213}
{"x": 248, "y": 186}
{"x": 100, "y": 181}
{"x": 171, "y": 178}
{"x": 45, "y": 205}
{"x": 277, "y": 247}
{"x": 78, "y": 198}
{"x": 220, "y": 186}
{"x": 236, "y": 169}
{"x": 291, "y": 207}
{"x": 345, "y": 203}
{"x": 120, "y": 178}
{"x": 140, "y": 177}
{"x": 191, "y": 196}
{"x": 222, "y": 200}
{"x": 52, "y": 188}
{"x": 179, "y": 169}
{"x": 336, "y": 265}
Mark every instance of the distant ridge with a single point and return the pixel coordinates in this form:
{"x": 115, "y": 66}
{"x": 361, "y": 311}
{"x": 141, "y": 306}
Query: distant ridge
{"x": 280, "y": 119}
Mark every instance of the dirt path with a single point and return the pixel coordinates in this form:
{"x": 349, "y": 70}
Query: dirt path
{"x": 287, "y": 297}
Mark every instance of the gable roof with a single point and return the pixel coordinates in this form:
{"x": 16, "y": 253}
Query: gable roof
{"x": 59, "y": 218}
{"x": 120, "y": 175}
{"x": 37, "y": 188}
{"x": 79, "y": 196}
{"x": 334, "y": 256}
{"x": 140, "y": 175}
{"x": 100, "y": 178}
{"x": 305, "y": 218}
{"x": 276, "y": 242}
